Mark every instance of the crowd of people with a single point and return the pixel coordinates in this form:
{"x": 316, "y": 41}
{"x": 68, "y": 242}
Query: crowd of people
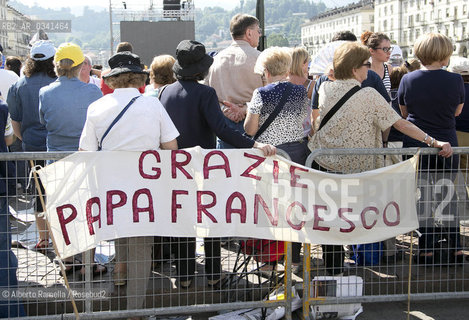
{"x": 239, "y": 98}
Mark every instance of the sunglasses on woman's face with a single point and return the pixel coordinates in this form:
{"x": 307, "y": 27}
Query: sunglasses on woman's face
{"x": 385, "y": 49}
{"x": 368, "y": 65}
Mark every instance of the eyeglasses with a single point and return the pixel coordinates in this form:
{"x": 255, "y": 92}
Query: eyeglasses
{"x": 385, "y": 49}
{"x": 368, "y": 65}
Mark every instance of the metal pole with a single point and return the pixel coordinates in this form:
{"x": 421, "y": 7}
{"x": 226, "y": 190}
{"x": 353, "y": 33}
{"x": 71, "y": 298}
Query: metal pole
{"x": 110, "y": 27}
{"x": 260, "y": 17}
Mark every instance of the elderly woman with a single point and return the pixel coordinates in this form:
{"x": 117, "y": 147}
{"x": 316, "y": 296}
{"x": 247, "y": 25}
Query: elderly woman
{"x": 357, "y": 124}
{"x": 155, "y": 131}
{"x": 431, "y": 98}
{"x": 196, "y": 113}
{"x": 161, "y": 74}
{"x": 284, "y": 127}
{"x": 62, "y": 110}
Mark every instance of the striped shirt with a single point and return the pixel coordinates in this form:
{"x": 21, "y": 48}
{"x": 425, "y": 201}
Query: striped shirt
{"x": 386, "y": 79}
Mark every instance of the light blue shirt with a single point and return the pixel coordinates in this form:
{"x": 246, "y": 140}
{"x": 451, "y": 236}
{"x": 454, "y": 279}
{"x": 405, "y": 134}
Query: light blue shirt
{"x": 23, "y": 103}
{"x": 62, "y": 109}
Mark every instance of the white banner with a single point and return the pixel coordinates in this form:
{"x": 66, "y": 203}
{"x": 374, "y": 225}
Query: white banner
{"x": 95, "y": 196}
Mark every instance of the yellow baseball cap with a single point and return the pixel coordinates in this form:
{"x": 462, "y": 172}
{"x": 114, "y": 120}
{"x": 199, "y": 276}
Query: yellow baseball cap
{"x": 69, "y": 51}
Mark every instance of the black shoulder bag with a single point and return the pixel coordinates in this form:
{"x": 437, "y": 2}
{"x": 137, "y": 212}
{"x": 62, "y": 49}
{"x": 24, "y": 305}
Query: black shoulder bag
{"x": 338, "y": 105}
{"x": 275, "y": 113}
{"x": 100, "y": 143}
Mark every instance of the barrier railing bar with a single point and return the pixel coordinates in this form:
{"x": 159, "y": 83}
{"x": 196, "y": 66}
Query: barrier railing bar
{"x": 164, "y": 311}
{"x": 394, "y": 297}
{"x": 377, "y": 152}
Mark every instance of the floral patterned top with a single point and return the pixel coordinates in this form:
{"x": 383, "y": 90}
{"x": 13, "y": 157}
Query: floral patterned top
{"x": 288, "y": 125}
{"x": 357, "y": 124}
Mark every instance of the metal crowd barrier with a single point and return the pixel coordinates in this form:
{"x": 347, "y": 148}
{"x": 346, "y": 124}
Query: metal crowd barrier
{"x": 44, "y": 294}
{"x": 400, "y": 274}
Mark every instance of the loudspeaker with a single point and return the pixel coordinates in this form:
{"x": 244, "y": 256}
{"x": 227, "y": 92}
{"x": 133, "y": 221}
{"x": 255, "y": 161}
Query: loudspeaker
{"x": 171, "y": 5}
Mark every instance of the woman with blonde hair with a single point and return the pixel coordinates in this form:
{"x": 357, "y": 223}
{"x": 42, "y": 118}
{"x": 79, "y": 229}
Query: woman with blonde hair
{"x": 299, "y": 75}
{"x": 277, "y": 111}
{"x": 161, "y": 74}
{"x": 358, "y": 123}
{"x": 432, "y": 98}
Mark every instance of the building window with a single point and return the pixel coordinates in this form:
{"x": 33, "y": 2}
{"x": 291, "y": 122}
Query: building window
{"x": 455, "y": 12}
{"x": 385, "y": 25}
{"x": 391, "y": 7}
{"x": 391, "y": 36}
{"x": 447, "y": 12}
{"x": 417, "y": 17}
{"x": 464, "y": 9}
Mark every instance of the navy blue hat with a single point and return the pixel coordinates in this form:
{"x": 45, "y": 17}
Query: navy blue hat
{"x": 124, "y": 62}
{"x": 191, "y": 58}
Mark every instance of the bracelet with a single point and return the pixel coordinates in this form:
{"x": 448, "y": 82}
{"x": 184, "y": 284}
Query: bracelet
{"x": 432, "y": 142}
{"x": 425, "y": 139}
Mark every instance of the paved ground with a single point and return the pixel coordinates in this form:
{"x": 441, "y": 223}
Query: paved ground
{"x": 38, "y": 272}
{"x": 438, "y": 310}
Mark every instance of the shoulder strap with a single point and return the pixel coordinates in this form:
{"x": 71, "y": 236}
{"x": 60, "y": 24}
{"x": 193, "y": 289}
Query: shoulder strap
{"x": 275, "y": 113}
{"x": 115, "y": 121}
{"x": 338, "y": 105}
{"x": 161, "y": 91}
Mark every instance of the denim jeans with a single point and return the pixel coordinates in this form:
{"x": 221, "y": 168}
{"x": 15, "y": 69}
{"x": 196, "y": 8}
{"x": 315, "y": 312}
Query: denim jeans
{"x": 236, "y": 126}
{"x": 9, "y": 307}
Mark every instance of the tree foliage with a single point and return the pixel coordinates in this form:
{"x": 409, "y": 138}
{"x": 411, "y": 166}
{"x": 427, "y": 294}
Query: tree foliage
{"x": 277, "y": 40}
{"x": 283, "y": 22}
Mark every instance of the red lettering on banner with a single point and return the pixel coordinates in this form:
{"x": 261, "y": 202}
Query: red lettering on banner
{"x": 252, "y": 166}
{"x": 362, "y": 216}
{"x": 398, "y": 215}
{"x": 294, "y": 177}
{"x": 180, "y": 164}
{"x": 63, "y": 221}
{"x": 157, "y": 171}
{"x": 230, "y": 210}
{"x": 136, "y": 209}
{"x": 317, "y": 218}
{"x": 174, "y": 205}
{"x": 89, "y": 213}
{"x": 203, "y": 207}
{"x": 272, "y": 218}
{"x": 225, "y": 166}
{"x": 110, "y": 206}
{"x": 275, "y": 171}
{"x": 289, "y": 210}
{"x": 341, "y": 215}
